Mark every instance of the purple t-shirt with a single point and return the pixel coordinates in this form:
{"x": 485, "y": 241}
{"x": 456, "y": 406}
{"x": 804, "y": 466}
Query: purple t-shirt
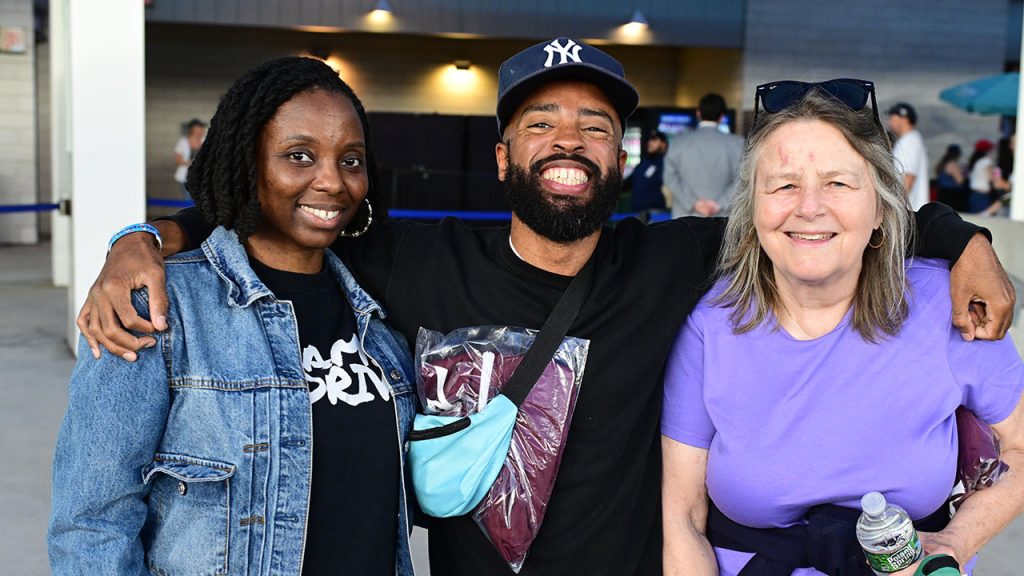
{"x": 790, "y": 424}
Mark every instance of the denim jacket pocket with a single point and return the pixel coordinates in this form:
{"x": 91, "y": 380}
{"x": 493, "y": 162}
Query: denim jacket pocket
{"x": 189, "y": 519}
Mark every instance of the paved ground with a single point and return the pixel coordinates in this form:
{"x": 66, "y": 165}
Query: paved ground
{"x": 34, "y": 368}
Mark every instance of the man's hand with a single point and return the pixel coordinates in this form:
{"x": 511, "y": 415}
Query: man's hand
{"x": 982, "y": 294}
{"x": 706, "y": 207}
{"x": 134, "y": 262}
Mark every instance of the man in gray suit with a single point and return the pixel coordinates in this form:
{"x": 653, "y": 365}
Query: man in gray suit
{"x": 701, "y": 166}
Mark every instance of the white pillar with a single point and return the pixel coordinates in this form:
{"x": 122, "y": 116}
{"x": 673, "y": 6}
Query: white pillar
{"x": 60, "y": 145}
{"x": 1017, "y": 200}
{"x": 107, "y": 133}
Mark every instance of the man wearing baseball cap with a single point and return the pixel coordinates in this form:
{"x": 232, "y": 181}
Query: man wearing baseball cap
{"x": 561, "y": 110}
{"x": 910, "y": 153}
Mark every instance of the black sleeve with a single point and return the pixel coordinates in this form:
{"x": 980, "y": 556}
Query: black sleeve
{"x": 942, "y": 233}
{"x": 372, "y": 256}
{"x": 710, "y": 233}
{"x": 193, "y": 224}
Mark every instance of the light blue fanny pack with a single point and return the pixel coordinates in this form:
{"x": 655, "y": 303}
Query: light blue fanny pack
{"x": 454, "y": 460}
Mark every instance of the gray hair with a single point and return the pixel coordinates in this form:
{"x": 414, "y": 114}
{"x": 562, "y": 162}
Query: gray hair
{"x": 879, "y": 304}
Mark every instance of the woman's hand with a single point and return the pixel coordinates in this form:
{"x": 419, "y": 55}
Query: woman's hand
{"x": 943, "y": 542}
{"x": 935, "y": 543}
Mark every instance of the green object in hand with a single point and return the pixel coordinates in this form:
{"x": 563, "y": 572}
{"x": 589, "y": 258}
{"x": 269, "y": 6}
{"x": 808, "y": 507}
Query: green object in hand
{"x": 938, "y": 565}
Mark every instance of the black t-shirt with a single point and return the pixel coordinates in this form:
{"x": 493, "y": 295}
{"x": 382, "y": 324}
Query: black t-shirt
{"x": 353, "y": 505}
{"x": 604, "y": 516}
{"x": 604, "y": 512}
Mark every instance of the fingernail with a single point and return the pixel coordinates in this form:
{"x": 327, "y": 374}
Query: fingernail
{"x": 160, "y": 322}
{"x": 149, "y": 344}
{"x": 96, "y": 354}
{"x": 128, "y": 356}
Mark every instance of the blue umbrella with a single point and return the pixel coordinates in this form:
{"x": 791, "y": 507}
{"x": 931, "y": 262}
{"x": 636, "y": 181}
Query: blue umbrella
{"x": 990, "y": 95}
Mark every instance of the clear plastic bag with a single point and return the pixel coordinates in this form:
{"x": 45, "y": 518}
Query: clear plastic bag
{"x": 458, "y": 373}
{"x": 978, "y": 464}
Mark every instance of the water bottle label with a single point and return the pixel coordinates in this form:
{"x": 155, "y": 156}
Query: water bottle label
{"x": 896, "y": 560}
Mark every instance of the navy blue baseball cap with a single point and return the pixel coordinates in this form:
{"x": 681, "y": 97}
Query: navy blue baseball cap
{"x": 562, "y": 59}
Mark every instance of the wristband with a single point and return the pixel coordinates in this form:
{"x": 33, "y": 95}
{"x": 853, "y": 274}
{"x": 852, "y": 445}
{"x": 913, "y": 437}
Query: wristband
{"x": 144, "y": 227}
{"x": 938, "y": 565}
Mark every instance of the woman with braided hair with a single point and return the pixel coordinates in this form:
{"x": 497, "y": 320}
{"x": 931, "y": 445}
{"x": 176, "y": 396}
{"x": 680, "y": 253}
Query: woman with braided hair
{"x": 262, "y": 432}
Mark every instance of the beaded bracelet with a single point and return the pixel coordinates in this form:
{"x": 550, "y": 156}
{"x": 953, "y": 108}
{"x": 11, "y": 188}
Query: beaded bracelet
{"x": 144, "y": 227}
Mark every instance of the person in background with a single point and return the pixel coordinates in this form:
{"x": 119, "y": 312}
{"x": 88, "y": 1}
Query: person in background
{"x": 263, "y": 431}
{"x": 1000, "y": 206}
{"x": 701, "y": 167}
{"x": 910, "y": 153}
{"x": 821, "y": 365}
{"x": 950, "y": 179}
{"x": 647, "y": 178}
{"x": 986, "y": 180}
{"x": 185, "y": 151}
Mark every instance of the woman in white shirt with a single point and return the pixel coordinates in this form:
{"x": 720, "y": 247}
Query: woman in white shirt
{"x": 984, "y": 177}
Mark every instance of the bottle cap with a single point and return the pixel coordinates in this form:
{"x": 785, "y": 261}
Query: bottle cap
{"x": 873, "y": 504}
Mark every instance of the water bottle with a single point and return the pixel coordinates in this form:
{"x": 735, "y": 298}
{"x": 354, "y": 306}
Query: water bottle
{"x": 887, "y": 535}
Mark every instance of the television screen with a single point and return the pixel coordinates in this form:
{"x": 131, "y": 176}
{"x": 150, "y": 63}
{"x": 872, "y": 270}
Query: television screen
{"x": 676, "y": 123}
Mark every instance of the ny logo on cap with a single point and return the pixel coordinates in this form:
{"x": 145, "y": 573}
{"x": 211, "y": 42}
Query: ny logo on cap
{"x": 571, "y": 51}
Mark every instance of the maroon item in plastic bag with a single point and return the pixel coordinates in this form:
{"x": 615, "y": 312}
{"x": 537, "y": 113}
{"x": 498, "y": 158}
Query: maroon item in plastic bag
{"x": 458, "y": 373}
{"x": 978, "y": 465}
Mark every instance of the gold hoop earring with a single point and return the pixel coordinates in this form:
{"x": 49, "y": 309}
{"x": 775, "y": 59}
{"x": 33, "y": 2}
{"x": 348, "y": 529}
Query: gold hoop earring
{"x": 369, "y": 220}
{"x": 881, "y": 232}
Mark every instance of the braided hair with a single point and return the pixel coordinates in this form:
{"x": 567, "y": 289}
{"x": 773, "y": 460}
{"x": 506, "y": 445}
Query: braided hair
{"x": 222, "y": 178}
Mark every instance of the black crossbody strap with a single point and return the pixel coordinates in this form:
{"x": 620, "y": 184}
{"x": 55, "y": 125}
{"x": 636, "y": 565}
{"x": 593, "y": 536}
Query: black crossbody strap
{"x": 551, "y": 335}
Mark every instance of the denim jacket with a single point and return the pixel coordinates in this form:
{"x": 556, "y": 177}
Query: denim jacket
{"x": 197, "y": 458}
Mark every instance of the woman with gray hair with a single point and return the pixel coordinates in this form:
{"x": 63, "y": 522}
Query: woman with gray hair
{"x": 822, "y": 366}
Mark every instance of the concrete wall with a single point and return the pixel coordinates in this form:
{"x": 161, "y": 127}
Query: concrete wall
{"x": 911, "y": 49}
{"x": 17, "y": 127}
{"x": 188, "y": 67}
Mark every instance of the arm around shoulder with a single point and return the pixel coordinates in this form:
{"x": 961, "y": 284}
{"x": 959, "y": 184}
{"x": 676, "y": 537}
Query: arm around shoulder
{"x": 982, "y": 295}
{"x": 134, "y": 261}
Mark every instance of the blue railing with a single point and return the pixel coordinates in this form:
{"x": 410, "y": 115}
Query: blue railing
{"x": 28, "y": 207}
{"x": 394, "y": 213}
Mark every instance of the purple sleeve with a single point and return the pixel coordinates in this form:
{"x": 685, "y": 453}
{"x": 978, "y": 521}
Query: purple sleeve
{"x": 683, "y": 415}
{"x": 990, "y": 375}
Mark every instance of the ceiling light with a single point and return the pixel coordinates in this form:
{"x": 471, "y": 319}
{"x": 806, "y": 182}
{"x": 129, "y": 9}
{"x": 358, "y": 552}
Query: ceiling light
{"x": 638, "y": 19}
{"x": 382, "y": 13}
{"x": 636, "y": 28}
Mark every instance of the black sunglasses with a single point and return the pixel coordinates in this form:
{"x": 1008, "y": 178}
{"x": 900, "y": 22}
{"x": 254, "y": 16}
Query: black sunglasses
{"x": 777, "y": 96}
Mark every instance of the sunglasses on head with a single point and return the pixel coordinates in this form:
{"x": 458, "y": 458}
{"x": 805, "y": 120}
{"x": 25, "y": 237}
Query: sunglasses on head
{"x": 777, "y": 96}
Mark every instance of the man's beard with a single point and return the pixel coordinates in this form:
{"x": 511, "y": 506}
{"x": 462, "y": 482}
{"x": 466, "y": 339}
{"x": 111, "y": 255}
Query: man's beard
{"x": 557, "y": 217}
